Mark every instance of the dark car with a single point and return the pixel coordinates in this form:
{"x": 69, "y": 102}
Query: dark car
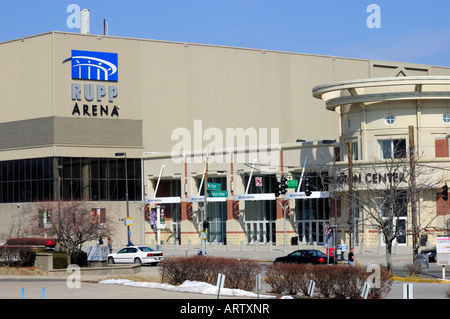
{"x": 306, "y": 256}
{"x": 431, "y": 253}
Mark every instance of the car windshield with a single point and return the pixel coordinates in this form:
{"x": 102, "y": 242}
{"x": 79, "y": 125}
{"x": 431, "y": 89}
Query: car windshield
{"x": 145, "y": 249}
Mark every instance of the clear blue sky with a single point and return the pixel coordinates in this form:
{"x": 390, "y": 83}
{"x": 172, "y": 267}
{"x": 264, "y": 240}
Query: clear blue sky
{"x": 416, "y": 31}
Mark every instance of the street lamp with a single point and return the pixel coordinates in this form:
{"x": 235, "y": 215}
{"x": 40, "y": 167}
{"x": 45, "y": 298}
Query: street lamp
{"x": 126, "y": 192}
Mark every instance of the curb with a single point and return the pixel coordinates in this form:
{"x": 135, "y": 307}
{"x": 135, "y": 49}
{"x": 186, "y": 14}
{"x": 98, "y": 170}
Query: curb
{"x": 424, "y": 280}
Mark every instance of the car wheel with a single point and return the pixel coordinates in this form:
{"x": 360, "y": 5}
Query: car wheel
{"x": 137, "y": 261}
{"x": 110, "y": 261}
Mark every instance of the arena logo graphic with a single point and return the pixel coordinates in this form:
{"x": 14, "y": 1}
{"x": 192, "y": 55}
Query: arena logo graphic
{"x": 94, "y": 66}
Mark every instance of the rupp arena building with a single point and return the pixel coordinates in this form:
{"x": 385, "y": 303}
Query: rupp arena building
{"x": 84, "y": 116}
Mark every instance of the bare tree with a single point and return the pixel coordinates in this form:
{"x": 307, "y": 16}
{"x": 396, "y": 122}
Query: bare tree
{"x": 382, "y": 192}
{"x": 72, "y": 223}
{"x": 17, "y": 228}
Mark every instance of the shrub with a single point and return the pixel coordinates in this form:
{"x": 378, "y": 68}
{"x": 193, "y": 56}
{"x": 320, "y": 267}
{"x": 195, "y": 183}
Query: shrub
{"x": 79, "y": 258}
{"x": 338, "y": 282}
{"x": 60, "y": 259}
{"x": 413, "y": 269}
{"x": 239, "y": 273}
{"x": 323, "y": 277}
{"x": 27, "y": 257}
{"x": 288, "y": 278}
{"x": 347, "y": 282}
{"x": 28, "y": 241}
{"x": 385, "y": 285}
{"x": 22, "y": 256}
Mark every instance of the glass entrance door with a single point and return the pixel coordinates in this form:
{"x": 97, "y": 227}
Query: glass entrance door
{"x": 401, "y": 225}
{"x": 260, "y": 232}
{"x": 176, "y": 233}
{"x": 310, "y": 231}
{"x": 402, "y": 238}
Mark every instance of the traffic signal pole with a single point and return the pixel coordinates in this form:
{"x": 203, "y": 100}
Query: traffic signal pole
{"x": 284, "y": 207}
{"x": 250, "y": 178}
{"x": 303, "y": 172}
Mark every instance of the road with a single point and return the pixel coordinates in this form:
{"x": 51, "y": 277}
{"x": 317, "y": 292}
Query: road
{"x": 58, "y": 287}
{"x": 62, "y": 288}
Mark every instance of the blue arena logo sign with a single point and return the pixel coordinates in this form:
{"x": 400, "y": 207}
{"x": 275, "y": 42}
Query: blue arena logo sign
{"x": 92, "y": 65}
{"x": 94, "y": 100}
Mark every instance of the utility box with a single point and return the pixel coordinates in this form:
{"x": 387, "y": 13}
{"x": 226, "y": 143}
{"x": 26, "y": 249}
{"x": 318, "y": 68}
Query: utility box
{"x": 294, "y": 241}
{"x": 97, "y": 255}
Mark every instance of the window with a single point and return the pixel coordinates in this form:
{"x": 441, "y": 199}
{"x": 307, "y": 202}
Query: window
{"x": 98, "y": 216}
{"x": 446, "y": 118}
{"x": 394, "y": 204}
{"x": 390, "y": 119}
{"x": 355, "y": 150}
{"x": 27, "y": 180}
{"x": 43, "y": 219}
{"x": 95, "y": 179}
{"x": 393, "y": 148}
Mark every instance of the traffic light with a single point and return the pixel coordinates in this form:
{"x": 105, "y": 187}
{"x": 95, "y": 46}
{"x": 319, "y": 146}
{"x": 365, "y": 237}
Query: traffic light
{"x": 277, "y": 188}
{"x": 308, "y": 191}
{"x": 283, "y": 185}
{"x": 445, "y": 192}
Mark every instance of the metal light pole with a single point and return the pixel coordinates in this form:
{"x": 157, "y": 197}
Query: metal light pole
{"x": 350, "y": 191}
{"x": 413, "y": 191}
{"x": 126, "y": 194}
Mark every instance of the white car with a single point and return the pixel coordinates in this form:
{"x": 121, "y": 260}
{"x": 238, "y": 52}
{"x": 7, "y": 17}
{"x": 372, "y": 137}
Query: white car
{"x": 136, "y": 255}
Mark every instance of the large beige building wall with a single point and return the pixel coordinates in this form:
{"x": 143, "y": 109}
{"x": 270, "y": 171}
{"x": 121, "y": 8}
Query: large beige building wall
{"x": 26, "y": 81}
{"x": 168, "y": 85}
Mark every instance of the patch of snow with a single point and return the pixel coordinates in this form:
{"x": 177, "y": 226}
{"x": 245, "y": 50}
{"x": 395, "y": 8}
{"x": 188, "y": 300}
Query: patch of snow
{"x": 188, "y": 286}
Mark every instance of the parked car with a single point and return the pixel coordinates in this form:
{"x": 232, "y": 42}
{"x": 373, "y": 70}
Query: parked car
{"x": 136, "y": 255}
{"x": 431, "y": 253}
{"x": 306, "y": 256}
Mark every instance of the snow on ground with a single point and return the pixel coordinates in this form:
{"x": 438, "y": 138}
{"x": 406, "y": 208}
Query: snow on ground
{"x": 188, "y": 286}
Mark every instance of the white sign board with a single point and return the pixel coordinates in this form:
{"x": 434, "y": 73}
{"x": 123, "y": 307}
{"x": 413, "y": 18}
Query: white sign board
{"x": 302, "y": 195}
{"x": 265, "y": 196}
{"x": 128, "y": 221}
{"x": 443, "y": 250}
{"x": 200, "y": 199}
{"x": 164, "y": 200}
{"x": 443, "y": 244}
